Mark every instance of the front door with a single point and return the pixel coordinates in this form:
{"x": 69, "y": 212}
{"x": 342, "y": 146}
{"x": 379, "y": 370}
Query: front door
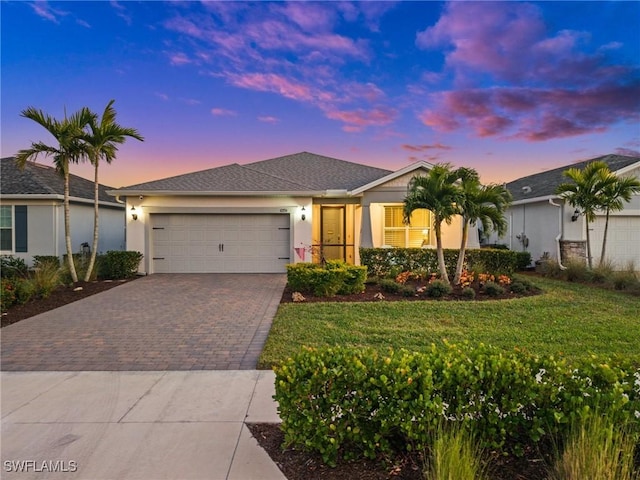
{"x": 332, "y": 232}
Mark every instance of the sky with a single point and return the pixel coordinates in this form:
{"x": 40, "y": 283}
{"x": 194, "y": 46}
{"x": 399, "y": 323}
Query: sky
{"x": 507, "y": 88}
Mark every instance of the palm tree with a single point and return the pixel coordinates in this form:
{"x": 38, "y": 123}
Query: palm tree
{"x": 70, "y": 149}
{"x": 585, "y": 192}
{"x": 101, "y": 142}
{"x": 613, "y": 196}
{"x": 437, "y": 192}
{"x": 484, "y": 203}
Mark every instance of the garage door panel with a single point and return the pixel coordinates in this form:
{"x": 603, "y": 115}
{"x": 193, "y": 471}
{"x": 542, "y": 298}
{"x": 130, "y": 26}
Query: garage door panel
{"x": 220, "y": 243}
{"x": 622, "y": 239}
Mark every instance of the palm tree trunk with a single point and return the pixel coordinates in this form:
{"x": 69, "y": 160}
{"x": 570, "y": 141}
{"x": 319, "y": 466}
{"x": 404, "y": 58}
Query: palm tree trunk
{"x": 67, "y": 229}
{"x": 94, "y": 247}
{"x": 463, "y": 248}
{"x": 440, "y": 253}
{"x": 590, "y": 263}
{"x": 604, "y": 238}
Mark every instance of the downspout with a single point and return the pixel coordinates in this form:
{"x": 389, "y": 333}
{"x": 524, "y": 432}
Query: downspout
{"x": 551, "y": 202}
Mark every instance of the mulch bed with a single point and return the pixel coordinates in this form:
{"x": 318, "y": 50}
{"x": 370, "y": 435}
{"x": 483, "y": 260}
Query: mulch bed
{"x": 299, "y": 465}
{"x": 59, "y": 297}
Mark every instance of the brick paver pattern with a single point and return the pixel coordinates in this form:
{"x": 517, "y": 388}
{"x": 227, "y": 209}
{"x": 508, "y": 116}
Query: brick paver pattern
{"x": 159, "y": 322}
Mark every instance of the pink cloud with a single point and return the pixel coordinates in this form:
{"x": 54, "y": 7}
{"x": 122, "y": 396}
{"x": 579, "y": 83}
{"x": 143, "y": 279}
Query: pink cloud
{"x": 179, "y": 59}
{"x": 357, "y": 120}
{"x": 222, "y": 112}
{"x": 270, "y": 82}
{"x": 268, "y": 119}
{"x": 46, "y": 11}
{"x": 534, "y": 114}
{"x": 423, "y": 148}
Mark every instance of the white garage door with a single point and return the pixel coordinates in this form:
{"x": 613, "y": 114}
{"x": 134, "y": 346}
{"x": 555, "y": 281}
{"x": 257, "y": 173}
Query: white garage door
{"x": 623, "y": 240}
{"x": 194, "y": 243}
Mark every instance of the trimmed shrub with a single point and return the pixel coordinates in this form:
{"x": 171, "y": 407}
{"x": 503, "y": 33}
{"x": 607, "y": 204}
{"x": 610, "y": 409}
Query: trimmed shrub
{"x": 518, "y": 287}
{"x": 407, "y": 291}
{"x": 438, "y": 289}
{"x": 390, "y": 286}
{"x": 336, "y": 277}
{"x": 117, "y": 265}
{"x": 468, "y": 293}
{"x": 349, "y": 403}
{"x": 493, "y": 289}
{"x": 523, "y": 261}
{"x": 385, "y": 261}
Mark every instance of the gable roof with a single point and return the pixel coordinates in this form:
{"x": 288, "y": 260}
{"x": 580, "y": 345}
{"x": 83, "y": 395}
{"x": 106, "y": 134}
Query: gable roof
{"x": 301, "y": 173}
{"x": 544, "y": 184}
{"x": 421, "y": 165}
{"x": 43, "y": 180}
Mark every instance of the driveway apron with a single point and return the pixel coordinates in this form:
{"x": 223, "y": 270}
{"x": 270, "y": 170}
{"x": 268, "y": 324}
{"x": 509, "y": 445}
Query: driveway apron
{"x": 159, "y": 322}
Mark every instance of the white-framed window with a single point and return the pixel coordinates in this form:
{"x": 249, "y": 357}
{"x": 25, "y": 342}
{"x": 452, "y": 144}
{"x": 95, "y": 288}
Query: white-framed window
{"x": 415, "y": 235}
{"x": 6, "y": 228}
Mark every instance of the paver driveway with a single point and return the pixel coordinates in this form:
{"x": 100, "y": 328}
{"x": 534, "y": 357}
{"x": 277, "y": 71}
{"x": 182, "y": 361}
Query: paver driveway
{"x": 159, "y": 322}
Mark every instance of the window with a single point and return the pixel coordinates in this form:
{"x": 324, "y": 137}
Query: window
{"x": 415, "y": 235}
{"x": 6, "y": 228}
{"x": 13, "y": 228}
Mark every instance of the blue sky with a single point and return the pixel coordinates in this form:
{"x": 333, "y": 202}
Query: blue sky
{"x": 508, "y": 88}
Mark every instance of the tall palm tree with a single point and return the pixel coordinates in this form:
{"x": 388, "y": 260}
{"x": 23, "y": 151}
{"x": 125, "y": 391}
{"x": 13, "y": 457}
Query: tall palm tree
{"x": 101, "y": 142}
{"x": 437, "y": 192}
{"x": 70, "y": 149}
{"x": 613, "y": 196}
{"x": 483, "y": 203}
{"x": 585, "y": 192}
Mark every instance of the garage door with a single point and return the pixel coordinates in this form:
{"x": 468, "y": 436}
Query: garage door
{"x": 622, "y": 240}
{"x": 194, "y": 243}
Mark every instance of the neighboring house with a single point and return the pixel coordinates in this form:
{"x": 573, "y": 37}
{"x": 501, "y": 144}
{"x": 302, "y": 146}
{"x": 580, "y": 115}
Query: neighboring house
{"x": 32, "y": 212}
{"x": 260, "y": 216}
{"x": 541, "y": 222}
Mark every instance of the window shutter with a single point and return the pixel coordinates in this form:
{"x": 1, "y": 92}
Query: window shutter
{"x": 20, "y": 224}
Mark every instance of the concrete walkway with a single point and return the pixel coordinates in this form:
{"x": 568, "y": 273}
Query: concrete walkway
{"x": 159, "y": 322}
{"x": 136, "y": 425}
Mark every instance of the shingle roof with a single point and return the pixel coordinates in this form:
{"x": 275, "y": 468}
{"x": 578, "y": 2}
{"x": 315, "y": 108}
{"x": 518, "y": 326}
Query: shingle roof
{"x": 300, "y": 172}
{"x": 38, "y": 179}
{"x": 545, "y": 183}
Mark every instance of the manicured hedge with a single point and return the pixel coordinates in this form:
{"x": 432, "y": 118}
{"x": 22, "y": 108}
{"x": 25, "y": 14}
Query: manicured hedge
{"x": 344, "y": 402}
{"x": 336, "y": 277}
{"x": 118, "y": 265}
{"x": 381, "y": 261}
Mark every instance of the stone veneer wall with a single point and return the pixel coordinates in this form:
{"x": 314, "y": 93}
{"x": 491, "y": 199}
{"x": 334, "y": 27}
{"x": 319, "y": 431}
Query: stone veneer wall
{"x": 573, "y": 249}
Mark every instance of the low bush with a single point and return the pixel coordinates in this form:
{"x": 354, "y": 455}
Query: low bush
{"x": 518, "y": 287}
{"x": 13, "y": 267}
{"x": 118, "y": 265}
{"x": 468, "y": 293}
{"x": 438, "y": 289}
{"x": 624, "y": 280}
{"x": 45, "y": 279}
{"x": 24, "y": 290}
{"x": 493, "y": 289}
{"x": 577, "y": 270}
{"x": 336, "y": 277}
{"x": 390, "y": 286}
{"x": 393, "y": 261}
{"x": 40, "y": 260}
{"x": 7, "y": 293}
{"x": 349, "y": 403}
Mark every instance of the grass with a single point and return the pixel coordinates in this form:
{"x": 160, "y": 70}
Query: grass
{"x": 454, "y": 455}
{"x": 569, "y": 319}
{"x": 597, "y": 449}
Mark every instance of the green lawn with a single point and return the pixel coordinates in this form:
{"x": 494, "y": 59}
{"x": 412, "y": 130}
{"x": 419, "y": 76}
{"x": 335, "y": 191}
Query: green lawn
{"x": 568, "y": 319}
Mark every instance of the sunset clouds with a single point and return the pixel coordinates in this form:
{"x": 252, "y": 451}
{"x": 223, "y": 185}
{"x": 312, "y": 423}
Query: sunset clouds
{"x": 499, "y": 86}
{"x": 543, "y": 85}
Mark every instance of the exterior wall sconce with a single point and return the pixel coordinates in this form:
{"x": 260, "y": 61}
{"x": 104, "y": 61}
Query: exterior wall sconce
{"x": 303, "y": 216}
{"x": 575, "y": 215}
{"x": 134, "y": 214}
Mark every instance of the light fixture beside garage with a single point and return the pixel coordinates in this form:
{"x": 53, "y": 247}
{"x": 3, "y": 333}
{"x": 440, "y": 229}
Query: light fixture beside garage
{"x": 134, "y": 214}
{"x": 303, "y": 216}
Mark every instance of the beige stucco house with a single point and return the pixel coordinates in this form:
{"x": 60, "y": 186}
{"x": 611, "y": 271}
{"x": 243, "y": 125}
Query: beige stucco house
{"x": 258, "y": 217}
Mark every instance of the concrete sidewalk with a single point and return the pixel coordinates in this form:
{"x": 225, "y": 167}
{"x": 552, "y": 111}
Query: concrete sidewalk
{"x": 136, "y": 425}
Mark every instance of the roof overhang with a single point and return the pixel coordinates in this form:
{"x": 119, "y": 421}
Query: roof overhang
{"x": 544, "y": 198}
{"x": 191, "y": 193}
{"x": 628, "y": 168}
{"x": 54, "y": 197}
{"x": 392, "y": 176}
